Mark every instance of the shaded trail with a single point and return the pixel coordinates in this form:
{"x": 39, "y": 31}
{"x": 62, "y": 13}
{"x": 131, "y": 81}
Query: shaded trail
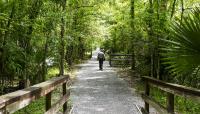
{"x": 102, "y": 92}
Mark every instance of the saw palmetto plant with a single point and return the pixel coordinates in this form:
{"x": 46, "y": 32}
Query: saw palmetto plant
{"x": 181, "y": 50}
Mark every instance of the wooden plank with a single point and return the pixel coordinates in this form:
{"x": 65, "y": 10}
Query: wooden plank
{"x": 3, "y": 111}
{"x": 155, "y": 104}
{"x": 118, "y": 65}
{"x": 19, "y": 99}
{"x": 2, "y": 103}
{"x": 121, "y": 59}
{"x": 48, "y": 101}
{"x": 147, "y": 92}
{"x": 170, "y": 103}
{"x": 120, "y": 54}
{"x": 64, "y": 93}
{"x": 176, "y": 89}
{"x": 55, "y": 108}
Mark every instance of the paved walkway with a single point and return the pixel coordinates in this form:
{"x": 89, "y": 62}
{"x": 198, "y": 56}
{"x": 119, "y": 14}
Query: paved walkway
{"x": 102, "y": 92}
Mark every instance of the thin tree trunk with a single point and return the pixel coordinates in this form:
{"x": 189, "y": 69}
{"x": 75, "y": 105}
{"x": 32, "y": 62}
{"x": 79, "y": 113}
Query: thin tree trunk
{"x": 44, "y": 66}
{"x": 62, "y": 50}
{"x": 132, "y": 13}
{"x": 34, "y": 12}
{"x": 8, "y": 24}
{"x": 150, "y": 32}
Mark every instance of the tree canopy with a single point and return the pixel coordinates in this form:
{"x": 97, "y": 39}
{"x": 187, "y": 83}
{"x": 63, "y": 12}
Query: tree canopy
{"x": 37, "y": 35}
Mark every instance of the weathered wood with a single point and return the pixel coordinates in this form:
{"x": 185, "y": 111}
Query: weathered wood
{"x": 64, "y": 93}
{"x": 156, "y": 105}
{"x": 147, "y": 91}
{"x": 55, "y": 107}
{"x": 176, "y": 89}
{"x": 19, "y": 99}
{"x": 120, "y": 54}
{"x": 3, "y": 111}
{"x": 48, "y": 101}
{"x": 124, "y": 59}
{"x": 129, "y": 59}
{"x": 171, "y": 89}
{"x": 170, "y": 103}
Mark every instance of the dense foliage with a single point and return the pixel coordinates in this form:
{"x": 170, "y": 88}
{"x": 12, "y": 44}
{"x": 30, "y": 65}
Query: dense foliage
{"x": 142, "y": 27}
{"x": 36, "y": 35}
{"x": 39, "y": 36}
{"x": 182, "y": 51}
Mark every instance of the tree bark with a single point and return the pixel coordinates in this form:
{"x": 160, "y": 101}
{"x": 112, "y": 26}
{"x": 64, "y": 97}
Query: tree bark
{"x": 62, "y": 50}
{"x": 132, "y": 13}
{"x": 33, "y": 14}
{"x": 150, "y": 33}
{"x": 44, "y": 66}
{"x": 8, "y": 24}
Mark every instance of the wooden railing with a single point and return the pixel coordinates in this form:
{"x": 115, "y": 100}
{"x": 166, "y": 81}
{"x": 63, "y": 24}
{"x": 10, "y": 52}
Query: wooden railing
{"x": 172, "y": 90}
{"x": 120, "y": 59}
{"x": 14, "y": 101}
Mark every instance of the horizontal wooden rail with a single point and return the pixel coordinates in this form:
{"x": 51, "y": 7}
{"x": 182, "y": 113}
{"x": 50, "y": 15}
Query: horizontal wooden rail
{"x": 121, "y": 59}
{"x": 14, "y": 101}
{"x": 171, "y": 89}
{"x": 120, "y": 54}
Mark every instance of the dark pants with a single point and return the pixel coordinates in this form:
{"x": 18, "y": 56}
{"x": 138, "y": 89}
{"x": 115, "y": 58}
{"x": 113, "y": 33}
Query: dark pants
{"x": 101, "y": 64}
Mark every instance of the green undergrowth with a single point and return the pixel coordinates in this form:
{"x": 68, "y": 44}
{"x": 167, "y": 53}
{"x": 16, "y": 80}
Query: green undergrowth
{"x": 36, "y": 107}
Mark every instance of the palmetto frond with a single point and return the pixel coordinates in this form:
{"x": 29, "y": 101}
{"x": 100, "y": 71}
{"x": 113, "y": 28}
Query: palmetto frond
{"x": 182, "y": 50}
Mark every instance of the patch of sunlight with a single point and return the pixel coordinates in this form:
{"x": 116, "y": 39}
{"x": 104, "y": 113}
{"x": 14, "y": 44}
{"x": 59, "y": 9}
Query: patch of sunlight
{"x": 52, "y": 72}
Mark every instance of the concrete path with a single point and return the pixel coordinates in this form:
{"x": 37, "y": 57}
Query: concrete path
{"x": 102, "y": 92}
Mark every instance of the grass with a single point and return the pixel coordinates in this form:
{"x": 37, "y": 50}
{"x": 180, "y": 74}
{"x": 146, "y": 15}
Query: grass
{"x": 36, "y": 107}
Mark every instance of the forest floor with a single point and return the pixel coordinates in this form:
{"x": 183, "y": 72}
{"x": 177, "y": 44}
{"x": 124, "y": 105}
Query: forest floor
{"x": 102, "y": 92}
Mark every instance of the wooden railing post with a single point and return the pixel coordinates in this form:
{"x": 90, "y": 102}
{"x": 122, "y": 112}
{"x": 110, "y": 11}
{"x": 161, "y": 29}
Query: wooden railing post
{"x": 132, "y": 62}
{"x": 64, "y": 93}
{"x": 147, "y": 91}
{"x": 3, "y": 111}
{"x": 48, "y": 101}
{"x": 170, "y": 103}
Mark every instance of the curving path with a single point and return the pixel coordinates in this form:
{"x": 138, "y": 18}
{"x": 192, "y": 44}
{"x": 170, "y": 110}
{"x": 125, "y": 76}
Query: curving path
{"x": 102, "y": 92}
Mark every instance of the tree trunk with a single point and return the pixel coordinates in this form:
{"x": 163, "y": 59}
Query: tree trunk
{"x": 8, "y": 24}
{"x": 150, "y": 33}
{"x": 44, "y": 66}
{"x": 34, "y": 12}
{"x": 132, "y": 13}
{"x": 62, "y": 50}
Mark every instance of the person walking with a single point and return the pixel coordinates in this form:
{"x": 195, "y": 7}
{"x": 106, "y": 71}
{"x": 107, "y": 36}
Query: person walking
{"x": 101, "y": 58}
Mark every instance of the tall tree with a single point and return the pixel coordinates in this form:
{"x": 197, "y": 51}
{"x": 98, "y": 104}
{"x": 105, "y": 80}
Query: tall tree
{"x": 62, "y": 41}
{"x": 132, "y": 13}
